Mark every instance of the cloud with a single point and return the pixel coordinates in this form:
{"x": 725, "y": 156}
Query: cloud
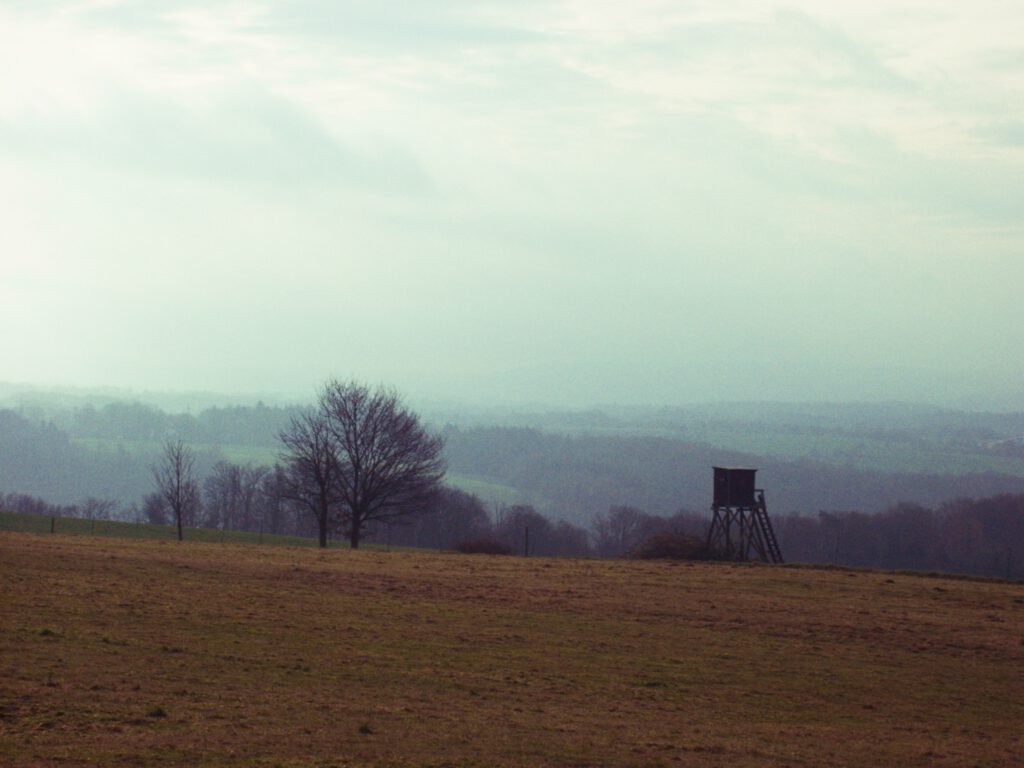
{"x": 646, "y": 185}
{"x": 1008, "y": 133}
{"x": 433, "y": 26}
{"x": 245, "y": 136}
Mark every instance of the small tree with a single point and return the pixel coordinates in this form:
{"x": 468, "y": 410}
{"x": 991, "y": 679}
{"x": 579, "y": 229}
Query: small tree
{"x": 154, "y": 509}
{"x": 221, "y": 490}
{"x": 176, "y": 483}
{"x": 98, "y": 509}
{"x": 388, "y": 465}
{"x": 524, "y": 530}
{"x": 454, "y": 517}
{"x": 460, "y": 516}
{"x": 277, "y": 511}
{"x": 621, "y": 529}
{"x": 231, "y": 493}
{"x": 252, "y": 488}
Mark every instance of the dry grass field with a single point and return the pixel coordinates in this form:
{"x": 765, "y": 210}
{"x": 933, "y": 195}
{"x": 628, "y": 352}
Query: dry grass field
{"x": 153, "y": 653}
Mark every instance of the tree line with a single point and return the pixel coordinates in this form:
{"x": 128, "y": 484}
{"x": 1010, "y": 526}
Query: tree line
{"x": 122, "y": 420}
{"x": 972, "y": 536}
{"x": 983, "y": 537}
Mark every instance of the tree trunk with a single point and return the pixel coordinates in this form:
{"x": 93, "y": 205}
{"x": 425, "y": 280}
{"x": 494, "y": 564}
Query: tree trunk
{"x": 323, "y": 511}
{"x": 178, "y": 516}
{"x": 353, "y": 538}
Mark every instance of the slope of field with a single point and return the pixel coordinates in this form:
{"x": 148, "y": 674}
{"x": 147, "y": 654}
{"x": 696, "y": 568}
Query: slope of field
{"x": 118, "y": 529}
{"x": 126, "y": 653}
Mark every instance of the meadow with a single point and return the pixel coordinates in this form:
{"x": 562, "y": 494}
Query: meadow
{"x": 129, "y": 652}
{"x": 119, "y": 529}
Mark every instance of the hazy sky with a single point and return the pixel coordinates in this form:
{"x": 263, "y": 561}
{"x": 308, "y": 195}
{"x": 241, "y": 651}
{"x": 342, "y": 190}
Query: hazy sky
{"x": 571, "y": 202}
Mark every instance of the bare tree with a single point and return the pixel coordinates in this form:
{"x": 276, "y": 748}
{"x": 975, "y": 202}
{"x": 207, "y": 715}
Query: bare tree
{"x": 231, "y": 493}
{"x": 459, "y": 516}
{"x": 277, "y": 512}
{"x": 252, "y": 486}
{"x": 622, "y": 529}
{"x": 388, "y": 465}
{"x": 222, "y": 489}
{"x": 309, "y": 474}
{"x": 176, "y": 483}
{"x": 522, "y": 528}
{"x": 154, "y": 509}
{"x": 98, "y": 509}
{"x": 454, "y": 517}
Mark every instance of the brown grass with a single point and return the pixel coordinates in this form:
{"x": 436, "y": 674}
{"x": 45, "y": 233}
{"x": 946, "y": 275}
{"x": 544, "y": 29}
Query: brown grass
{"x": 125, "y": 653}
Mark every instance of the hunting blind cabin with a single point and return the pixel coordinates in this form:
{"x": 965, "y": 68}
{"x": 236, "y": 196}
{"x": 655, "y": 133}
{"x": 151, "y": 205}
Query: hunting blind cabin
{"x": 739, "y": 521}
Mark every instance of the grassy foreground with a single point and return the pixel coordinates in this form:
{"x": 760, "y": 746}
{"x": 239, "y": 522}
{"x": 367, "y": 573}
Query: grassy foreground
{"x": 126, "y": 652}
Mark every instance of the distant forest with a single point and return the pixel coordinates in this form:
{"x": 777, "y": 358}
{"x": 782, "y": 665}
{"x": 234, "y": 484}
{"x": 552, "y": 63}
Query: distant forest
{"x": 570, "y": 475}
{"x": 107, "y": 451}
{"x": 574, "y": 476}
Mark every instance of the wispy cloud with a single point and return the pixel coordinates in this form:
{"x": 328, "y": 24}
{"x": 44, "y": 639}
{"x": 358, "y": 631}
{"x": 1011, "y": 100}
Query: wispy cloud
{"x": 577, "y": 177}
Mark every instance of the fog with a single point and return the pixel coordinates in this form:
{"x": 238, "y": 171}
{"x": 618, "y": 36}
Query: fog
{"x": 556, "y": 203}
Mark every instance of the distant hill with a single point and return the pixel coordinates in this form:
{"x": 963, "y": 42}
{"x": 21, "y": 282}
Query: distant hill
{"x": 575, "y": 476}
{"x": 569, "y": 464}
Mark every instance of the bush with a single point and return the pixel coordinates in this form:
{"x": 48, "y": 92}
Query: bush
{"x": 671, "y": 546}
{"x": 482, "y": 547}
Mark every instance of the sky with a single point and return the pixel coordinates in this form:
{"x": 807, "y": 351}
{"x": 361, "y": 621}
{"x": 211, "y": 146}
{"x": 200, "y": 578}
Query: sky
{"x": 563, "y": 202}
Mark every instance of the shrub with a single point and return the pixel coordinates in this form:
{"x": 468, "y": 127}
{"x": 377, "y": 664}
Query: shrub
{"x": 482, "y": 547}
{"x": 671, "y": 546}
